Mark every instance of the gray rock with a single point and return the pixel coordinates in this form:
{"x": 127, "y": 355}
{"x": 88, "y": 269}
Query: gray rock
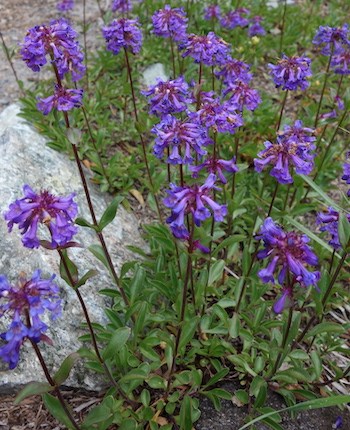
{"x": 152, "y": 73}
{"x": 26, "y": 159}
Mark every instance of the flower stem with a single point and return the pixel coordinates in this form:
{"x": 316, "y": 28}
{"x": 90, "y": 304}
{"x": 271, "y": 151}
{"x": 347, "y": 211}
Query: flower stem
{"x": 273, "y": 199}
{"x": 324, "y": 87}
{"x": 281, "y": 111}
{"x": 283, "y": 25}
{"x": 20, "y": 87}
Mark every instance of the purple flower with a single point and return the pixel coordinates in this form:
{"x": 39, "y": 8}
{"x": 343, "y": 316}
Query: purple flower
{"x": 123, "y": 6}
{"x": 63, "y": 99}
{"x": 292, "y": 148}
{"x": 171, "y": 23}
{"x": 233, "y": 71}
{"x": 210, "y": 50}
{"x": 287, "y": 253}
{"x": 195, "y": 200}
{"x": 338, "y": 423}
{"x": 235, "y": 18}
{"x": 215, "y": 165}
{"x": 291, "y": 73}
{"x": 242, "y": 96}
{"x": 56, "y": 213}
{"x": 123, "y": 33}
{"x": 28, "y": 299}
{"x": 341, "y": 61}
{"x": 346, "y": 175}
{"x": 212, "y": 12}
{"x": 168, "y": 97}
{"x": 330, "y": 220}
{"x": 255, "y": 27}
{"x": 283, "y": 301}
{"x": 65, "y": 5}
{"x": 58, "y": 41}
{"x": 182, "y": 137}
{"x": 331, "y": 36}
{"x": 221, "y": 116}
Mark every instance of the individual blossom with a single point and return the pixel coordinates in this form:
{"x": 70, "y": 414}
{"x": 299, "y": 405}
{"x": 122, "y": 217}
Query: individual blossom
{"x": 122, "y": 6}
{"x": 289, "y": 255}
{"x": 212, "y": 12}
{"x": 210, "y": 50}
{"x": 232, "y": 71}
{"x": 167, "y": 97}
{"x": 284, "y": 300}
{"x": 332, "y": 39}
{"x": 346, "y": 175}
{"x": 235, "y": 18}
{"x": 196, "y": 200}
{"x": 123, "y": 33}
{"x": 221, "y": 116}
{"x": 25, "y": 303}
{"x": 58, "y": 42}
{"x": 341, "y": 61}
{"x": 65, "y": 5}
{"x": 292, "y": 149}
{"x": 56, "y": 213}
{"x": 216, "y": 166}
{"x": 63, "y": 99}
{"x": 182, "y": 138}
{"x": 338, "y": 104}
{"x": 255, "y": 27}
{"x": 242, "y": 96}
{"x": 170, "y": 22}
{"x": 291, "y": 73}
{"x": 329, "y": 221}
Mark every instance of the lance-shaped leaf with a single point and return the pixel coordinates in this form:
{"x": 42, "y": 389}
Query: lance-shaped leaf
{"x": 33, "y": 389}
{"x": 66, "y": 367}
{"x": 110, "y": 213}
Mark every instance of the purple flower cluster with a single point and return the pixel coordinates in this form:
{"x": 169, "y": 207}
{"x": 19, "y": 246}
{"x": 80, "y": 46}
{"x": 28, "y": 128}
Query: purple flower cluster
{"x": 171, "y": 23}
{"x": 58, "y": 41}
{"x": 192, "y": 199}
{"x": 293, "y": 147}
{"x": 57, "y": 213}
{"x": 289, "y": 254}
{"x": 212, "y": 12}
{"x": 242, "y": 96}
{"x": 123, "y": 33}
{"x": 216, "y": 166}
{"x": 65, "y": 5}
{"x": 28, "y": 299}
{"x": 210, "y": 50}
{"x": 341, "y": 61}
{"x": 168, "y": 97}
{"x": 233, "y": 71}
{"x": 255, "y": 27}
{"x": 332, "y": 39}
{"x": 236, "y": 18}
{"x": 291, "y": 73}
{"x": 63, "y": 99}
{"x": 330, "y": 220}
{"x": 346, "y": 175}
{"x": 182, "y": 137}
{"x": 122, "y": 6}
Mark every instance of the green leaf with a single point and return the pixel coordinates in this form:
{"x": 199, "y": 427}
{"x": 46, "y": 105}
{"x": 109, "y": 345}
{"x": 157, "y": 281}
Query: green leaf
{"x": 74, "y": 135}
{"x": 186, "y": 422}
{"x": 310, "y": 404}
{"x": 188, "y": 330}
{"x": 72, "y": 276}
{"x": 98, "y": 252}
{"x": 344, "y": 231}
{"x": 83, "y": 223}
{"x": 66, "y": 367}
{"x": 56, "y": 410}
{"x": 33, "y": 389}
{"x": 226, "y": 243}
{"x": 326, "y": 327}
{"x": 216, "y": 378}
{"x": 157, "y": 382}
{"x": 317, "y": 363}
{"x": 140, "y": 318}
{"x": 233, "y": 327}
{"x": 88, "y": 275}
{"x": 215, "y": 272}
{"x": 118, "y": 340}
{"x": 242, "y": 396}
{"x": 326, "y": 199}
{"x": 110, "y": 213}
{"x": 100, "y": 415}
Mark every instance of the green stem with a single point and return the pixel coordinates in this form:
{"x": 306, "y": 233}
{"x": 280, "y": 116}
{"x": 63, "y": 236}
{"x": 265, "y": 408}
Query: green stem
{"x": 281, "y": 111}
{"x": 273, "y": 199}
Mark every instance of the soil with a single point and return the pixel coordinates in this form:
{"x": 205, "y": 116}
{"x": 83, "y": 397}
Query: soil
{"x": 16, "y": 16}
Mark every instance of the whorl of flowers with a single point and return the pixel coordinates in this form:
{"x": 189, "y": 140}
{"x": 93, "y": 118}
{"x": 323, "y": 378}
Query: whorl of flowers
{"x": 58, "y": 42}
{"x": 288, "y": 254}
{"x": 329, "y": 221}
{"x": 27, "y": 299}
{"x": 290, "y": 73}
{"x": 63, "y": 99}
{"x": 181, "y": 137}
{"x": 255, "y": 27}
{"x": 210, "y": 50}
{"x": 65, "y": 5}
{"x": 57, "y": 213}
{"x": 341, "y": 61}
{"x": 234, "y": 70}
{"x": 123, "y": 33}
{"x": 193, "y": 199}
{"x": 212, "y": 12}
{"x": 235, "y": 18}
{"x": 242, "y": 96}
{"x": 216, "y": 166}
{"x": 292, "y": 148}
{"x": 170, "y": 22}
{"x": 332, "y": 38}
{"x": 122, "y": 6}
{"x": 167, "y": 97}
